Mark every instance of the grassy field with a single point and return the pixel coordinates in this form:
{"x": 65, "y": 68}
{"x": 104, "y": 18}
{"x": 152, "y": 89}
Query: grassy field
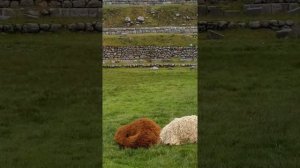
{"x": 249, "y": 96}
{"x": 160, "y": 95}
{"x": 50, "y": 100}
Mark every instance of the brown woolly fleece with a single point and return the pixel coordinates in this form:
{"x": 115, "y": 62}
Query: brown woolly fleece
{"x": 142, "y": 132}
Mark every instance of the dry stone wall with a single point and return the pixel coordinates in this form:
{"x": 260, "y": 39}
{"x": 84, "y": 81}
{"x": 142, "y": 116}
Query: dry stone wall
{"x": 146, "y": 2}
{"x": 142, "y": 30}
{"x": 257, "y": 8}
{"x": 51, "y": 3}
{"x": 256, "y": 24}
{"x": 56, "y": 8}
{"x": 37, "y": 28}
{"x": 148, "y": 52}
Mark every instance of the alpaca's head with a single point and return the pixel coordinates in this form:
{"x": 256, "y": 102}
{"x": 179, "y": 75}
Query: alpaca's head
{"x": 125, "y": 136}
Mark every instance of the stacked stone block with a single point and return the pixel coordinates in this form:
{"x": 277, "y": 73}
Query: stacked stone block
{"x": 148, "y": 52}
{"x": 51, "y": 3}
{"x": 145, "y": 2}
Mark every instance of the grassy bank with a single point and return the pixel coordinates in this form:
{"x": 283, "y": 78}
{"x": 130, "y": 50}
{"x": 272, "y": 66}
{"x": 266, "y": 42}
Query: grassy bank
{"x": 249, "y": 101}
{"x": 160, "y": 95}
{"x": 50, "y": 100}
{"x": 165, "y": 15}
{"x": 183, "y": 40}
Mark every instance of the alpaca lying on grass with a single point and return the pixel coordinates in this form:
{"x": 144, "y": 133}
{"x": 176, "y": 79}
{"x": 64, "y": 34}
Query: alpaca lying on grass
{"x": 180, "y": 131}
{"x": 140, "y": 133}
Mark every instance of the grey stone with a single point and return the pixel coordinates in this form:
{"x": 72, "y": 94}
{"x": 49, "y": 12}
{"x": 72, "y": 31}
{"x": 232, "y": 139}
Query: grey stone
{"x": 127, "y": 19}
{"x": 89, "y": 27}
{"x": 254, "y": 11}
{"x": 72, "y": 27}
{"x": 31, "y": 28}
{"x": 289, "y": 22}
{"x": 79, "y": 4}
{"x": 4, "y": 4}
{"x": 140, "y": 19}
{"x": 254, "y": 24}
{"x": 281, "y": 23}
{"x": 4, "y": 17}
{"x": 232, "y": 13}
{"x": 98, "y": 27}
{"x": 232, "y": 25}
{"x": 94, "y": 4}
{"x": 266, "y": 8}
{"x": 55, "y": 4}
{"x": 45, "y": 12}
{"x": 8, "y": 28}
{"x": 54, "y": 12}
{"x": 94, "y": 12}
{"x": 154, "y": 68}
{"x": 26, "y": 3}
{"x": 83, "y": 12}
{"x": 80, "y": 26}
{"x": 265, "y": 24}
{"x": 44, "y": 27}
{"x": 14, "y": 4}
{"x": 293, "y": 6}
{"x": 18, "y": 27}
{"x": 284, "y": 33}
{"x": 67, "y": 4}
{"x": 294, "y": 11}
{"x": 222, "y": 24}
{"x": 55, "y": 27}
{"x": 8, "y": 12}
{"x": 32, "y": 14}
{"x": 273, "y": 23}
{"x": 296, "y": 31}
{"x": 276, "y": 8}
{"x": 242, "y": 24}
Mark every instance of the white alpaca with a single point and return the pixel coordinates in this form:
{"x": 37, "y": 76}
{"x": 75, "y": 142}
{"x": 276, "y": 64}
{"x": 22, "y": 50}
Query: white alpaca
{"x": 180, "y": 131}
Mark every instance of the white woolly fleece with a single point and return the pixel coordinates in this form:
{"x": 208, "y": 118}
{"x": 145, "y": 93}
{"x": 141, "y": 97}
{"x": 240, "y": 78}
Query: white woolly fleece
{"x": 180, "y": 131}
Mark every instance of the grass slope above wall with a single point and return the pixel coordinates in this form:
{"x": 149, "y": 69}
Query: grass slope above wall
{"x": 164, "y": 15}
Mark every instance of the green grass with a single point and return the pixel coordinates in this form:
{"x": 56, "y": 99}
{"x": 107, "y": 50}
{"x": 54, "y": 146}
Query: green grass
{"x": 160, "y": 95}
{"x": 113, "y": 16}
{"x": 249, "y": 101}
{"x": 50, "y": 100}
{"x": 161, "y": 39}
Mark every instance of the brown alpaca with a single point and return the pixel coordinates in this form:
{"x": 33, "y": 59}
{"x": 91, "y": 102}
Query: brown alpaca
{"x": 142, "y": 132}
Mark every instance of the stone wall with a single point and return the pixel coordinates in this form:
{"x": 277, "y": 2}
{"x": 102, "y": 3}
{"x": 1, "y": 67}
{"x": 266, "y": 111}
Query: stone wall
{"x": 246, "y": 1}
{"x": 146, "y": 2}
{"x": 265, "y": 24}
{"x": 148, "y": 52}
{"x": 37, "y": 28}
{"x": 51, "y": 3}
{"x": 56, "y": 8}
{"x": 164, "y": 65}
{"x": 251, "y": 9}
{"x": 142, "y": 30}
